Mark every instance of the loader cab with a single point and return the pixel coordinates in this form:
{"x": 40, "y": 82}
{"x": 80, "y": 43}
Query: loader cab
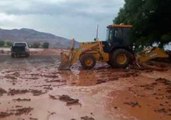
{"x": 117, "y": 37}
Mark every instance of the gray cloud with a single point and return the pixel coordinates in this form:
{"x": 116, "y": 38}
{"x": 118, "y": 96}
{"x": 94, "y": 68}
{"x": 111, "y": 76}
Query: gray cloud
{"x": 70, "y": 16}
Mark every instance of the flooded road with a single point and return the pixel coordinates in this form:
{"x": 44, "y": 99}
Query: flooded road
{"x": 33, "y": 89}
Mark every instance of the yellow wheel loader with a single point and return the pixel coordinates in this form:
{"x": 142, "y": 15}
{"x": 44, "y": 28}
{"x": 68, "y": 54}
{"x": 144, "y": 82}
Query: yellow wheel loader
{"x": 117, "y": 51}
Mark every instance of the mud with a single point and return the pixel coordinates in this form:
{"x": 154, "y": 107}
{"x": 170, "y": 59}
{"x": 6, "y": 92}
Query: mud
{"x": 24, "y": 91}
{"x": 65, "y": 98}
{"x": 37, "y": 92}
{"x": 4, "y": 114}
{"x": 2, "y": 91}
{"x": 16, "y": 112}
{"x": 34, "y": 89}
{"x": 22, "y": 100}
{"x": 21, "y": 111}
{"x": 138, "y": 100}
{"x": 14, "y": 91}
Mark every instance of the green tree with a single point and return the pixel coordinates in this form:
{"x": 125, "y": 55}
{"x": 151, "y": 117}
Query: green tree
{"x": 9, "y": 44}
{"x": 45, "y": 45}
{"x": 36, "y": 45}
{"x": 2, "y": 43}
{"x": 150, "y": 20}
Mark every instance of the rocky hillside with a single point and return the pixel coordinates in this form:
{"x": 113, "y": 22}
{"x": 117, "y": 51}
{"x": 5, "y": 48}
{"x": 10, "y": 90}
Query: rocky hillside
{"x": 32, "y": 36}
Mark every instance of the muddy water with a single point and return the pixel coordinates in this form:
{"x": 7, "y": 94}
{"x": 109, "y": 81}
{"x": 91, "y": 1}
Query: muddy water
{"x": 147, "y": 100}
{"x": 103, "y": 93}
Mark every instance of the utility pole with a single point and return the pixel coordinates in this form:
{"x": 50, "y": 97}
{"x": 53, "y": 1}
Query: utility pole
{"x": 97, "y": 32}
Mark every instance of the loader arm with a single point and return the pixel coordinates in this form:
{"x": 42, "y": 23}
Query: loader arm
{"x": 150, "y": 54}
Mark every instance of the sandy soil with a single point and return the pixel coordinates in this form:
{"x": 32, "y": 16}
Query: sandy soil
{"x": 34, "y": 89}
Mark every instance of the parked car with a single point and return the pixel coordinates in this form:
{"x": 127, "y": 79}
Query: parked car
{"x": 19, "y": 49}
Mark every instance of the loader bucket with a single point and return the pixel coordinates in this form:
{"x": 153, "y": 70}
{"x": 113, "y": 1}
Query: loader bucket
{"x": 65, "y": 62}
{"x": 67, "y": 58}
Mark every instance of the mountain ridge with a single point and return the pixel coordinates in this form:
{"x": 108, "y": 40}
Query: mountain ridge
{"x": 31, "y": 36}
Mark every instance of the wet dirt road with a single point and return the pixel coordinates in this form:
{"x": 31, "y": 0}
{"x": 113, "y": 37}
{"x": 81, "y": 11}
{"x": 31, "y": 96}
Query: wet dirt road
{"x": 33, "y": 89}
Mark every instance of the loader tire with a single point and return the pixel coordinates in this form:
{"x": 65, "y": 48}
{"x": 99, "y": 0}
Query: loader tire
{"x": 87, "y": 61}
{"x": 109, "y": 63}
{"x": 120, "y": 58}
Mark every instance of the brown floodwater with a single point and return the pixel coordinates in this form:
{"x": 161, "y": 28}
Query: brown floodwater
{"x": 30, "y": 89}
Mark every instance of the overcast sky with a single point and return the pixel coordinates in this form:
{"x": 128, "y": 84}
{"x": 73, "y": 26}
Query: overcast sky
{"x": 67, "y": 18}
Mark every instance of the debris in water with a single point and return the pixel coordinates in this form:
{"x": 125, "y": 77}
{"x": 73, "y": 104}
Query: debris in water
{"x": 15, "y": 91}
{"x": 68, "y": 100}
{"x": 22, "y": 111}
{"x": 87, "y": 118}
{"x": 21, "y": 100}
{"x": 4, "y": 114}
{"x": 133, "y": 104}
{"x": 53, "y": 97}
{"x": 2, "y": 91}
